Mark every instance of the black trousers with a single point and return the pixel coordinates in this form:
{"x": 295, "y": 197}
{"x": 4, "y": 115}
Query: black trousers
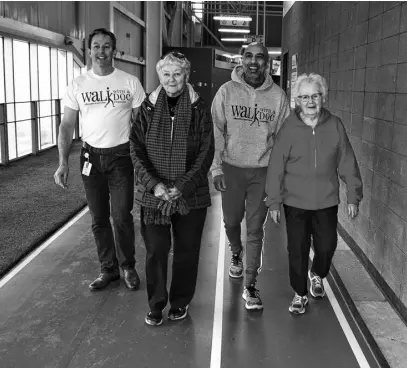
{"x": 301, "y": 225}
{"x": 187, "y": 233}
{"x": 110, "y": 193}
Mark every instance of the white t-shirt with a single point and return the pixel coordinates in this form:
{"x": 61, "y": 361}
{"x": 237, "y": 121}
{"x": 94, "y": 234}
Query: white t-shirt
{"x": 105, "y": 104}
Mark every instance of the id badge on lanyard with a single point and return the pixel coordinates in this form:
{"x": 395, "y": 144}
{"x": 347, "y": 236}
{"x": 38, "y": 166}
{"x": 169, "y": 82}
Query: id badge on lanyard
{"x": 86, "y": 165}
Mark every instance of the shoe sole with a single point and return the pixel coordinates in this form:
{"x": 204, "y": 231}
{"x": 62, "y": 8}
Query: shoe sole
{"x": 133, "y": 287}
{"x": 310, "y": 289}
{"x": 151, "y": 323}
{"x": 179, "y": 318}
{"x": 317, "y": 296}
{"x": 235, "y": 277}
{"x": 251, "y": 307}
{"x": 104, "y": 287}
{"x": 297, "y": 312}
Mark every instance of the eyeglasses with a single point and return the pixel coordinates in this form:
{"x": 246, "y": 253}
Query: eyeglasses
{"x": 307, "y": 98}
{"x": 176, "y": 54}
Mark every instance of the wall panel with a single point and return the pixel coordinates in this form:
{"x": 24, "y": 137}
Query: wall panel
{"x": 135, "y": 7}
{"x": 129, "y": 34}
{"x": 56, "y": 16}
{"x": 131, "y": 68}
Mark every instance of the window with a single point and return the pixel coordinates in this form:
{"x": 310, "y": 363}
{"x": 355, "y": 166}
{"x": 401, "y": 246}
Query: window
{"x": 77, "y": 70}
{"x": 2, "y": 85}
{"x": 33, "y": 79}
{"x": 17, "y": 87}
{"x": 62, "y": 76}
{"x": 21, "y": 54}
{"x": 44, "y": 72}
{"x": 22, "y": 94}
{"x": 34, "y": 71}
{"x": 8, "y": 70}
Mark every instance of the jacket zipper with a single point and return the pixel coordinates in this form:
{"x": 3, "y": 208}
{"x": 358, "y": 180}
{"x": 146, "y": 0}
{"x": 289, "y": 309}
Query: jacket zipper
{"x": 172, "y": 128}
{"x": 315, "y": 147}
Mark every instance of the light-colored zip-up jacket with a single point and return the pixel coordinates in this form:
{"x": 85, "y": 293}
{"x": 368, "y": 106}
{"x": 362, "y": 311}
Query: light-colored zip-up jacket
{"x": 305, "y": 164}
{"x": 246, "y": 121}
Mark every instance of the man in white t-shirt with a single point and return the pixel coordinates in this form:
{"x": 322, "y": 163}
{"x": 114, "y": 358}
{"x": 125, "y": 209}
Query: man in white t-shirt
{"x": 106, "y": 98}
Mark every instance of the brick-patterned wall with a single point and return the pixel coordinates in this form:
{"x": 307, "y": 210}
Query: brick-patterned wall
{"x": 361, "y": 50}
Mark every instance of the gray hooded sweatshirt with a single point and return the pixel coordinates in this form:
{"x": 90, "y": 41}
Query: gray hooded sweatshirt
{"x": 246, "y": 121}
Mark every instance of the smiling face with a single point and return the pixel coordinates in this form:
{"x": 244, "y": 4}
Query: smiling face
{"x": 310, "y": 99}
{"x": 173, "y": 78}
{"x": 101, "y": 51}
{"x": 255, "y": 59}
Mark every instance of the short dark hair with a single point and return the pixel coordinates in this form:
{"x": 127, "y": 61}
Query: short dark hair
{"x": 105, "y": 32}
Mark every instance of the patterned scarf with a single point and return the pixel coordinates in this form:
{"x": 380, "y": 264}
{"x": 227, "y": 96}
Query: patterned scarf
{"x": 168, "y": 156}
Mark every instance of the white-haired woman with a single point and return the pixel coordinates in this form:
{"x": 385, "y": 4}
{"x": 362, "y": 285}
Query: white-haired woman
{"x": 172, "y": 148}
{"x": 311, "y": 150}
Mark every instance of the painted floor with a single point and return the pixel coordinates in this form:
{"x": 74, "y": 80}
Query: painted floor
{"x": 49, "y": 318}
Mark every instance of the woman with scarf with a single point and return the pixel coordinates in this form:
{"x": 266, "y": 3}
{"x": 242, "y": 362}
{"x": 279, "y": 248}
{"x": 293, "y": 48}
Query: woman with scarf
{"x": 172, "y": 148}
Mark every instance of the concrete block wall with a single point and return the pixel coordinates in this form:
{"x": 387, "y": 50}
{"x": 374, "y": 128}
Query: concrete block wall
{"x": 361, "y": 50}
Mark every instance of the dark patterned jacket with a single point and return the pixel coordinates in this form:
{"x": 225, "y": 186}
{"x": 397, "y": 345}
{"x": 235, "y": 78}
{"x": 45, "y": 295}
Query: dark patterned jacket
{"x": 193, "y": 184}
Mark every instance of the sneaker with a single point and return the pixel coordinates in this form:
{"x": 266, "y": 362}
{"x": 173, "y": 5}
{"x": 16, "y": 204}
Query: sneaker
{"x": 175, "y": 314}
{"x": 154, "y": 319}
{"x": 317, "y": 289}
{"x": 252, "y": 297}
{"x": 236, "y": 265}
{"x": 298, "y": 304}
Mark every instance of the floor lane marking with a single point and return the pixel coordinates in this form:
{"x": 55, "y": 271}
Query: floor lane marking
{"x": 216, "y": 349}
{"x": 14, "y": 271}
{"x": 357, "y": 351}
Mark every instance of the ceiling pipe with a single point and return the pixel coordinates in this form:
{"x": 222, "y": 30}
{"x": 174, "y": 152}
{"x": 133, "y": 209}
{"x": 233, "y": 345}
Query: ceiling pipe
{"x": 257, "y": 18}
{"x": 264, "y": 24}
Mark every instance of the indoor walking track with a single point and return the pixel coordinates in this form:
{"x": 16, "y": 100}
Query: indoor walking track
{"x": 49, "y": 318}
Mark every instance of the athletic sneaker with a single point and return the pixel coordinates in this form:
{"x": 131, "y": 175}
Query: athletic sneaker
{"x": 236, "y": 265}
{"x": 298, "y": 304}
{"x": 317, "y": 289}
{"x": 175, "y": 314}
{"x": 252, "y": 297}
{"x": 154, "y": 319}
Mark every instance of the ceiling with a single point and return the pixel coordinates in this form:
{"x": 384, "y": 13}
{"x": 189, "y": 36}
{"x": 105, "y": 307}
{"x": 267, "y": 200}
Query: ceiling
{"x": 272, "y": 8}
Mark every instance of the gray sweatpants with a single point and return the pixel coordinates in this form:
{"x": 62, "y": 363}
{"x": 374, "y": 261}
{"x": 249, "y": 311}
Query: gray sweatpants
{"x": 245, "y": 193}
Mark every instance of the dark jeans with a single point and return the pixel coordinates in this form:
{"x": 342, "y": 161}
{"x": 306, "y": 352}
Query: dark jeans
{"x": 301, "y": 224}
{"x": 110, "y": 191}
{"x": 187, "y": 234}
{"x": 245, "y": 193}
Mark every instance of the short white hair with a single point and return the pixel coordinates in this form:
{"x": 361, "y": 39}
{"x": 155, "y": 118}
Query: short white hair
{"x": 170, "y": 58}
{"x": 312, "y": 78}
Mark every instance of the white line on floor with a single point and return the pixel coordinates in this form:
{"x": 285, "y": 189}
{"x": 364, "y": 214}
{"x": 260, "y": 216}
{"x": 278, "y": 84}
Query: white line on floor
{"x": 14, "y": 271}
{"x": 216, "y": 350}
{"x": 357, "y": 351}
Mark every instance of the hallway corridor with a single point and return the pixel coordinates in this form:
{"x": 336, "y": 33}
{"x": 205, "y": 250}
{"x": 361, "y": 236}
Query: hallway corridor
{"x": 49, "y": 318}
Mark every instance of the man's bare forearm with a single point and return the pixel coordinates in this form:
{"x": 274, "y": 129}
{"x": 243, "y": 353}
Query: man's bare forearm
{"x": 64, "y": 143}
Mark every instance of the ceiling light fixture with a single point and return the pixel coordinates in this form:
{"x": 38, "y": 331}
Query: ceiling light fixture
{"x": 229, "y": 56}
{"x": 234, "y": 30}
{"x": 223, "y": 17}
{"x": 233, "y": 39}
